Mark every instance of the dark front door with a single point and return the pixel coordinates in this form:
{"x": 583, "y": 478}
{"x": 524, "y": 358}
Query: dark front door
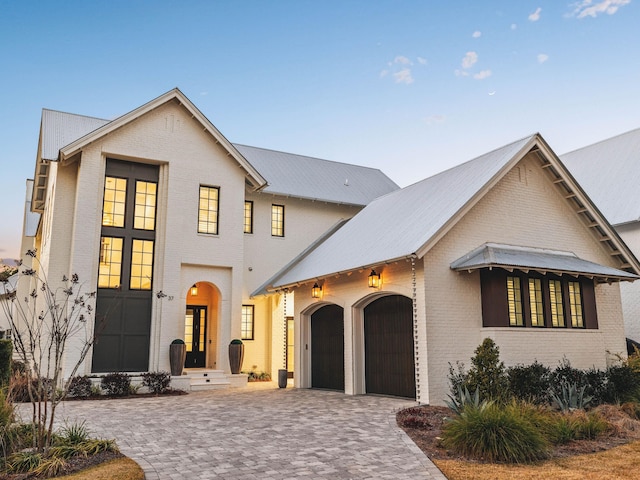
{"x": 195, "y": 330}
{"x": 327, "y": 348}
{"x": 388, "y": 343}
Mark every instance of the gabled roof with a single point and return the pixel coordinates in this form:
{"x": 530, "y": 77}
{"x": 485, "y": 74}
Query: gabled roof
{"x": 410, "y": 221}
{"x": 542, "y": 260}
{"x": 609, "y": 171}
{"x": 61, "y": 137}
{"x": 316, "y": 179}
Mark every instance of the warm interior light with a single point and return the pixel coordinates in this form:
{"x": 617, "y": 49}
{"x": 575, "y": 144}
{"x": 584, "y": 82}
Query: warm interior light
{"x": 374, "y": 279}
{"x": 194, "y": 290}
{"x": 316, "y": 290}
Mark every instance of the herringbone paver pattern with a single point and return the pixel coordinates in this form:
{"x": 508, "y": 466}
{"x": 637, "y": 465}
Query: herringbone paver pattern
{"x": 260, "y": 432}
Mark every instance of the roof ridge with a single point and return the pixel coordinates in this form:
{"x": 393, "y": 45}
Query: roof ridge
{"x": 76, "y": 114}
{"x": 306, "y": 156}
{"x": 601, "y": 141}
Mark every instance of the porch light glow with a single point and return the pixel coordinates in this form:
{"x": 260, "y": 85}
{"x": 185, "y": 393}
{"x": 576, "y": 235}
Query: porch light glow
{"x": 194, "y": 290}
{"x": 374, "y": 279}
{"x": 316, "y": 290}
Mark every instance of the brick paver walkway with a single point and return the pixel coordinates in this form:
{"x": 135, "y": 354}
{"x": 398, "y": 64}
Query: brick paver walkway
{"x": 259, "y": 432}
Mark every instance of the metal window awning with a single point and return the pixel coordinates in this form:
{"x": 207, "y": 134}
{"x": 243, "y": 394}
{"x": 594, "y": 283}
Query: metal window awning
{"x": 510, "y": 257}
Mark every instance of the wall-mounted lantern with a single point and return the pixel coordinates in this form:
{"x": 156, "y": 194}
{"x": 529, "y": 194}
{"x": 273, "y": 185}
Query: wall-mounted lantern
{"x": 194, "y": 290}
{"x": 374, "y": 279}
{"x": 316, "y": 290}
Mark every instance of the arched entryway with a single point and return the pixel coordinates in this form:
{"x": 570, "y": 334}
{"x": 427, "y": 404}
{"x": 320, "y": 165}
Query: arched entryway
{"x": 388, "y": 346}
{"x": 201, "y": 325}
{"x": 327, "y": 348}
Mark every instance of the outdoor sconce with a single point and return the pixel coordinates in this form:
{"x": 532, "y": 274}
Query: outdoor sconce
{"x": 194, "y": 290}
{"x": 316, "y": 291}
{"x": 374, "y": 279}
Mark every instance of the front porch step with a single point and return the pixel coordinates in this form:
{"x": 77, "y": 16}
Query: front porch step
{"x": 206, "y": 379}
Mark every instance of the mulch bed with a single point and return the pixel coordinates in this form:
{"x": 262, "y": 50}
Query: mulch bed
{"x": 424, "y": 426}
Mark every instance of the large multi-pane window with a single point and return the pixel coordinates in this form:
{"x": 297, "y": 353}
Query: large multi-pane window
{"x": 514, "y": 299}
{"x": 538, "y": 300}
{"x": 115, "y": 197}
{"x": 141, "y": 264}
{"x": 248, "y": 217}
{"x": 535, "y": 302}
{"x": 110, "y": 266}
{"x": 208, "y": 210}
{"x": 144, "y": 216}
{"x": 247, "y": 322}
{"x": 575, "y": 305}
{"x": 277, "y": 220}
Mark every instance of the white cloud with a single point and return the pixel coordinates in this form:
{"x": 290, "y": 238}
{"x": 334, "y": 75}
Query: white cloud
{"x": 542, "y": 57}
{"x": 535, "y": 16}
{"x": 586, "y": 8}
{"x": 384, "y": 73}
{"x": 477, "y": 34}
{"x": 482, "y": 75}
{"x": 513, "y": 26}
{"x": 403, "y": 76}
{"x": 461, "y": 73}
{"x": 469, "y": 59}
{"x": 402, "y": 60}
{"x": 422, "y": 61}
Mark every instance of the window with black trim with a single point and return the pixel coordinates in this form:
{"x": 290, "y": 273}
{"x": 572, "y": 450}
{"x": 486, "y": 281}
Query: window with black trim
{"x": 208, "y": 210}
{"x": 248, "y": 216}
{"x": 277, "y": 220}
{"x": 517, "y": 299}
{"x": 247, "y": 322}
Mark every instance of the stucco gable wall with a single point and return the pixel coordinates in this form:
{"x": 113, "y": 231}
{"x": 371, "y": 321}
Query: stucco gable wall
{"x": 524, "y": 208}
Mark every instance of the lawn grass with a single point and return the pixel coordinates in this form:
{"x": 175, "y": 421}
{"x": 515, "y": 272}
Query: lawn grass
{"x": 619, "y": 463}
{"x": 118, "y": 469}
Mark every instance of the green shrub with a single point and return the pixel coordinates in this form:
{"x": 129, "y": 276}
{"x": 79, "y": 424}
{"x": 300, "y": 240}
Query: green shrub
{"x": 576, "y": 425}
{"x": 116, "y": 384}
{"x": 564, "y": 372}
{"x": 530, "y": 383}
{"x": 487, "y": 374}
{"x": 74, "y": 434}
{"x": 6, "y": 352}
{"x": 623, "y": 384}
{"x": 156, "y": 382}
{"x": 22, "y": 462}
{"x": 80, "y": 387}
{"x": 496, "y": 434}
{"x": 50, "y": 467}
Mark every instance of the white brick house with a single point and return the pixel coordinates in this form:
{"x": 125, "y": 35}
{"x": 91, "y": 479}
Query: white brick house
{"x": 158, "y": 200}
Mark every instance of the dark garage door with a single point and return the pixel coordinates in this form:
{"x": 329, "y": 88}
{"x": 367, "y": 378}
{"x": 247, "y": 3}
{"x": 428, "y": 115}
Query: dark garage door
{"x": 388, "y": 343}
{"x": 327, "y": 348}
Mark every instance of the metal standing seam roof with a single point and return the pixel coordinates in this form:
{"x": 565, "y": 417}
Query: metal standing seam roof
{"x": 317, "y": 179}
{"x": 60, "y": 129}
{"x": 288, "y": 174}
{"x": 609, "y": 172}
{"x": 398, "y": 224}
{"x": 538, "y": 259}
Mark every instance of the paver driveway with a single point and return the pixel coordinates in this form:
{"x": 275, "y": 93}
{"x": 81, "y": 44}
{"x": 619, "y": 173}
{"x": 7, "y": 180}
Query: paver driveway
{"x": 258, "y": 433}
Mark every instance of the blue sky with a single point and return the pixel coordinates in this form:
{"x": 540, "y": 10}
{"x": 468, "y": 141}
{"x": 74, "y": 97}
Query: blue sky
{"x": 409, "y": 87}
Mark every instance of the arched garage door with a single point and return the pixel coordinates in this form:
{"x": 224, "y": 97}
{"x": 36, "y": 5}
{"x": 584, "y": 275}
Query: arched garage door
{"x": 388, "y": 343}
{"x": 327, "y": 348}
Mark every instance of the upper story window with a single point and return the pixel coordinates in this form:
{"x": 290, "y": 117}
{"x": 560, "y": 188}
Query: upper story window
{"x": 208, "y": 210}
{"x": 110, "y": 266}
{"x": 248, "y": 217}
{"x": 535, "y": 300}
{"x": 115, "y": 198}
{"x": 247, "y": 322}
{"x": 141, "y": 264}
{"x": 277, "y": 220}
{"x": 144, "y": 215}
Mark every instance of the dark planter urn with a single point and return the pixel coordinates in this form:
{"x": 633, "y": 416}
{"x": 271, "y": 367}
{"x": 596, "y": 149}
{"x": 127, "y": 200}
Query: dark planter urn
{"x": 177, "y": 356}
{"x": 282, "y": 378}
{"x": 236, "y": 355}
